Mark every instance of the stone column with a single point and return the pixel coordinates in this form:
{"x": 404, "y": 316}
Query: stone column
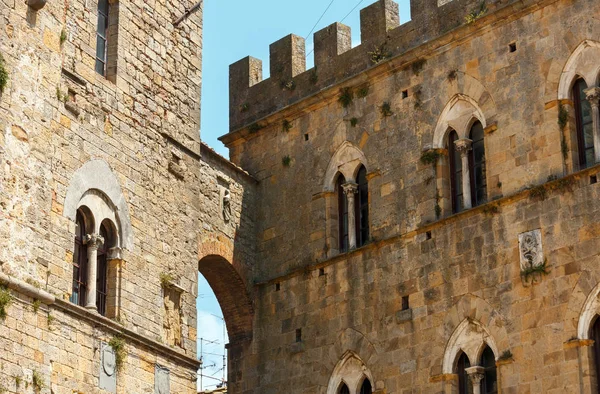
{"x": 593, "y": 96}
{"x": 350, "y": 190}
{"x": 463, "y": 146}
{"x": 115, "y": 264}
{"x": 93, "y": 242}
{"x": 476, "y": 375}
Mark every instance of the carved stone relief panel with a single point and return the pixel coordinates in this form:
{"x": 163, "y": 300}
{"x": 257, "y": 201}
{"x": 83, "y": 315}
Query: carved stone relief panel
{"x": 530, "y": 248}
{"x": 108, "y": 368}
{"x": 172, "y": 315}
{"x": 162, "y": 383}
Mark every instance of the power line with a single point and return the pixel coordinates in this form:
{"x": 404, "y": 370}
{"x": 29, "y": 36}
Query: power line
{"x": 321, "y": 17}
{"x": 352, "y": 10}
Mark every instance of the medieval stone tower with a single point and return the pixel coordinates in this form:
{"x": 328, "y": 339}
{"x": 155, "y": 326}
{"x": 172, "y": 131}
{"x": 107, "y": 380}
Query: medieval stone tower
{"x": 418, "y": 213}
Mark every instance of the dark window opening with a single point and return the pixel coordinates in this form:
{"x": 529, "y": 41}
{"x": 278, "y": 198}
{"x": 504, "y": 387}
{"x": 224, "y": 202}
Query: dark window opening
{"x": 593, "y": 179}
{"x": 405, "y": 303}
{"x": 477, "y": 165}
{"x": 366, "y": 387}
{"x": 489, "y": 384}
{"x": 80, "y": 263}
{"x": 344, "y": 389}
{"x": 321, "y": 271}
{"x": 362, "y": 208}
{"x": 584, "y": 123}
{"x": 102, "y": 37}
{"x": 455, "y": 173}
{"x": 404, "y": 94}
{"x": 299, "y": 335}
{"x": 595, "y": 335}
{"x": 277, "y": 286}
{"x": 461, "y": 370}
{"x": 512, "y": 47}
{"x": 342, "y": 214}
{"x": 428, "y": 235}
{"x": 102, "y": 273}
{"x": 305, "y": 137}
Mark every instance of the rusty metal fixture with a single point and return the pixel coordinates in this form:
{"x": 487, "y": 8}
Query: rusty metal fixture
{"x": 36, "y": 4}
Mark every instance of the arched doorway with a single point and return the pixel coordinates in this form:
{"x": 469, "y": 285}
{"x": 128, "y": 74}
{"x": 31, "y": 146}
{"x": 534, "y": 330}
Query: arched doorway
{"x": 232, "y": 296}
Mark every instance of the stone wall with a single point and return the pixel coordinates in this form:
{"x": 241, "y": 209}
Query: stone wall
{"x": 461, "y": 273}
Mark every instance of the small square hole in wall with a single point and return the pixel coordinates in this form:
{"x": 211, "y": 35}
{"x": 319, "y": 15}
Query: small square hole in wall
{"x": 299, "y": 335}
{"x": 404, "y": 94}
{"x": 428, "y": 235}
{"x": 277, "y": 286}
{"x": 593, "y": 179}
{"x": 321, "y": 271}
{"x": 405, "y": 305}
{"x": 512, "y": 47}
{"x": 305, "y": 137}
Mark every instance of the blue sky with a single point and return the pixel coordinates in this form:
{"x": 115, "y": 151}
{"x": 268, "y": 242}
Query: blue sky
{"x": 233, "y": 30}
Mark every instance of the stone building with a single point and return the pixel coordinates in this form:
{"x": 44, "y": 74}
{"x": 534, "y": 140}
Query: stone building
{"x": 428, "y": 218}
{"x": 415, "y": 214}
{"x": 107, "y": 197}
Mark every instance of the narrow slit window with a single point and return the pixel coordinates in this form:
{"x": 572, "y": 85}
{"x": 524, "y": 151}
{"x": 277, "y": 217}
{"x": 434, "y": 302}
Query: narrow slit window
{"x": 362, "y": 208}
{"x": 342, "y": 214}
{"x": 102, "y": 37}
{"x": 584, "y": 121}
{"x": 455, "y": 173}
{"x": 80, "y": 263}
{"x": 477, "y": 166}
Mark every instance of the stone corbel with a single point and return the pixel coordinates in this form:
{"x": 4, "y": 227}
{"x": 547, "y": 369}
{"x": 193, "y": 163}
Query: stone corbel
{"x": 115, "y": 253}
{"x": 36, "y": 4}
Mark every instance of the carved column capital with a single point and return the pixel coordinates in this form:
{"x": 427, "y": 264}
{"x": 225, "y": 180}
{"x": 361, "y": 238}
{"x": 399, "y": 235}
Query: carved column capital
{"x": 476, "y": 374}
{"x": 350, "y": 188}
{"x": 94, "y": 241}
{"x": 463, "y": 146}
{"x": 593, "y": 95}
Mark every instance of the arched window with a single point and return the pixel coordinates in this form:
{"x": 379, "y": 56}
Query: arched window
{"x": 344, "y": 389}
{"x": 362, "y": 208}
{"x": 477, "y": 165}
{"x": 80, "y": 262}
{"x": 102, "y": 271}
{"x": 463, "y": 379}
{"x": 595, "y": 335}
{"x": 342, "y": 214}
{"x": 455, "y": 173}
{"x": 366, "y": 387}
{"x": 489, "y": 384}
{"x": 584, "y": 123}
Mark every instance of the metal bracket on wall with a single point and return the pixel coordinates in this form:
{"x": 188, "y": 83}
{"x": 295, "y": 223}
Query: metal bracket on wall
{"x": 36, "y": 4}
{"x": 187, "y": 13}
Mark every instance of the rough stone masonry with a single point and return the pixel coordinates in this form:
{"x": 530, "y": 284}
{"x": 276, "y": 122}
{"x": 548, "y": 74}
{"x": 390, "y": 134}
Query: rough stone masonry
{"x": 418, "y": 213}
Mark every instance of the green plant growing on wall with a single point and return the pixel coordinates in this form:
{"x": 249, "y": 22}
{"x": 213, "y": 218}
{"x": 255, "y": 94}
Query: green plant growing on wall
{"x": 379, "y": 54}
{"x": 37, "y": 381}
{"x": 36, "y": 305}
{"x": 452, "y": 75}
{"x": 255, "y": 128}
{"x": 531, "y": 271}
{"x": 539, "y": 193}
{"x": 18, "y": 381}
{"x": 118, "y": 345}
{"x": 353, "y": 122}
{"x": 286, "y": 160}
{"x": 346, "y": 97}
{"x": 288, "y": 85}
{"x": 63, "y": 36}
{"x": 286, "y": 125}
{"x": 386, "y": 109}
{"x": 244, "y": 107}
{"x": 563, "y": 119}
{"x": 363, "y": 91}
{"x": 431, "y": 156}
{"x": 491, "y": 209}
{"x": 50, "y": 319}
{"x": 166, "y": 279}
{"x": 417, "y": 66}
{"x": 5, "y": 300}
{"x": 438, "y": 208}
{"x": 3, "y": 75}
{"x": 476, "y": 13}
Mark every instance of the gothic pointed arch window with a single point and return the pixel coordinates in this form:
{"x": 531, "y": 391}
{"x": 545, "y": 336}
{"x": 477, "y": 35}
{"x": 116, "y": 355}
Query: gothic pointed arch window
{"x": 595, "y": 336}
{"x": 455, "y": 173}
{"x": 344, "y": 389}
{"x": 477, "y": 165}
{"x": 489, "y": 383}
{"x": 342, "y": 213}
{"x": 584, "y": 124}
{"x": 461, "y": 370}
{"x": 366, "y": 388}
{"x": 362, "y": 208}
{"x": 80, "y": 262}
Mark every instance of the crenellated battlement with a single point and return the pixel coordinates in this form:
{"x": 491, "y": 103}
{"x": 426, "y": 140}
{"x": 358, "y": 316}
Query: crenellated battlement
{"x": 382, "y": 37}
